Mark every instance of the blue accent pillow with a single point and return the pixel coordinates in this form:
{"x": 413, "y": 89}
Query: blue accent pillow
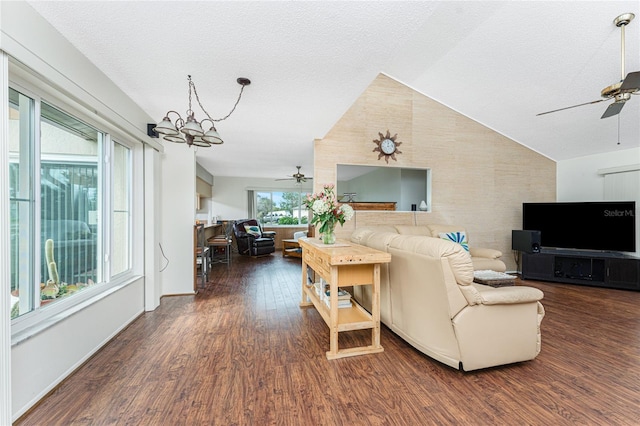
{"x": 456, "y": 237}
{"x": 253, "y": 230}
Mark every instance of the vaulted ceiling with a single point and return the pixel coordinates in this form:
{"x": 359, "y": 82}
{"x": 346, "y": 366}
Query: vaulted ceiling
{"x": 498, "y": 62}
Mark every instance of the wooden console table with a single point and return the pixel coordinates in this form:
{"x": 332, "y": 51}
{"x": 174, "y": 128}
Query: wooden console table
{"x": 341, "y": 265}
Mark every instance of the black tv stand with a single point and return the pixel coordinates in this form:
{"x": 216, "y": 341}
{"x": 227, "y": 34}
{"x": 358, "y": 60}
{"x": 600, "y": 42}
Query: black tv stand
{"x": 584, "y": 268}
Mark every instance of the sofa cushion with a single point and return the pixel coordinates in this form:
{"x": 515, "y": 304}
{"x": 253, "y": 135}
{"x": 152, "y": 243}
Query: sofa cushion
{"x": 485, "y": 252}
{"x": 507, "y": 295}
{"x": 483, "y": 263}
{"x": 382, "y": 228}
{"x": 437, "y": 229}
{"x": 456, "y": 237}
{"x": 359, "y": 234}
{"x": 378, "y": 240}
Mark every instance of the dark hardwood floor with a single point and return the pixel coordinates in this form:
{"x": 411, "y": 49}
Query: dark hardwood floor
{"x": 242, "y": 352}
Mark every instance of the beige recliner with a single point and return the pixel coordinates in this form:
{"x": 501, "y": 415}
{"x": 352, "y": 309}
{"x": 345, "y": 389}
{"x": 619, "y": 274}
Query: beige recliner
{"x": 428, "y": 297}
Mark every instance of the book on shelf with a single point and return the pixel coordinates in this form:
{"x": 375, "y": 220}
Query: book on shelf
{"x": 341, "y": 303}
{"x": 342, "y": 294}
{"x": 323, "y": 291}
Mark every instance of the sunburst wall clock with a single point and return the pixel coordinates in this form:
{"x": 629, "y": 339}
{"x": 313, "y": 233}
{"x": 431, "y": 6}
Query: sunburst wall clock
{"x": 387, "y": 146}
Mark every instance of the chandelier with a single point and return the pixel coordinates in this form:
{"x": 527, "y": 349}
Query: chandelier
{"x": 189, "y": 131}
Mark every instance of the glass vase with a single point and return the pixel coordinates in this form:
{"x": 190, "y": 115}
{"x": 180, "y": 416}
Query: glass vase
{"x": 329, "y": 237}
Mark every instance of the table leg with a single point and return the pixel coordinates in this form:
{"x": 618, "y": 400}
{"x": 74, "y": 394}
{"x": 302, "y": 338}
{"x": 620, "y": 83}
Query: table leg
{"x": 304, "y": 301}
{"x": 333, "y": 306}
{"x": 375, "y": 306}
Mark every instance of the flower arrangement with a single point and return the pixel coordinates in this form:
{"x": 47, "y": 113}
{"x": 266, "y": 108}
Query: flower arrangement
{"x": 326, "y": 212}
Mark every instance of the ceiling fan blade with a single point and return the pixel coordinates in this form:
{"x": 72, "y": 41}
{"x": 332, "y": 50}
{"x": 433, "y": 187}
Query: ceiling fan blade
{"x": 298, "y": 177}
{"x": 631, "y": 82}
{"x": 574, "y": 106}
{"x": 613, "y": 109}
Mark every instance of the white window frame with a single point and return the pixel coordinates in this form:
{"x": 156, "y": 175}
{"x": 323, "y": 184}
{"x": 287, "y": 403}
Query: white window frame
{"x": 30, "y": 323}
{"x": 254, "y": 213}
{"x": 130, "y": 202}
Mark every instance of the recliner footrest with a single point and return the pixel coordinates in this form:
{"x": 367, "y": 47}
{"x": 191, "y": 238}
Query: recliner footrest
{"x": 262, "y": 242}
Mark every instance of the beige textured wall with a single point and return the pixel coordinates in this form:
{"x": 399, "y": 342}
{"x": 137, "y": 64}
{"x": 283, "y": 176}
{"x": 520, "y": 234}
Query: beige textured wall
{"x": 479, "y": 178}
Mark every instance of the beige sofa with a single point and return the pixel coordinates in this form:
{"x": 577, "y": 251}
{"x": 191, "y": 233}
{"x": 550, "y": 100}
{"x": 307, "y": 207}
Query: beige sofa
{"x": 428, "y": 297}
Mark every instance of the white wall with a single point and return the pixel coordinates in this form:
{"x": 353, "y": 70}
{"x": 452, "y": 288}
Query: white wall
{"x": 152, "y": 228}
{"x": 39, "y": 364}
{"x": 578, "y": 179}
{"x": 178, "y": 218}
{"x": 229, "y": 200}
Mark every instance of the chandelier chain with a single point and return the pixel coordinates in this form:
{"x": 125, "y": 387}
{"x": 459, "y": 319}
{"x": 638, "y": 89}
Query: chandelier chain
{"x": 195, "y": 92}
{"x": 189, "y": 111}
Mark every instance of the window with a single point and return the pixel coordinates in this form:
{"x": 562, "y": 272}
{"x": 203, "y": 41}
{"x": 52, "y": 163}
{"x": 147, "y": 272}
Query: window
{"x": 121, "y": 250}
{"x": 69, "y": 193}
{"x": 21, "y": 201}
{"x": 280, "y": 207}
{"x": 68, "y": 213}
{"x": 63, "y": 217}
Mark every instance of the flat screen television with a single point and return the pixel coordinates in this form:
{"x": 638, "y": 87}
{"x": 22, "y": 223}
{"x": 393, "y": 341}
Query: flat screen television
{"x": 601, "y": 226}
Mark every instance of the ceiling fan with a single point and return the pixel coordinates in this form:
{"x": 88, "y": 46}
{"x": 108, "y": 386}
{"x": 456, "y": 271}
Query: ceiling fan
{"x": 621, "y": 92}
{"x": 298, "y": 177}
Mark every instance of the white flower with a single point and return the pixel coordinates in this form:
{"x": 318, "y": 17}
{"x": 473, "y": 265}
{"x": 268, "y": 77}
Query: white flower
{"x": 347, "y": 210}
{"x": 320, "y": 207}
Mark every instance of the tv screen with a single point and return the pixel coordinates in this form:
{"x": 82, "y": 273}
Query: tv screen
{"x": 602, "y": 226}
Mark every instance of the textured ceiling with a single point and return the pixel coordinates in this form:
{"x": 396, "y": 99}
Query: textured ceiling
{"x": 498, "y": 62}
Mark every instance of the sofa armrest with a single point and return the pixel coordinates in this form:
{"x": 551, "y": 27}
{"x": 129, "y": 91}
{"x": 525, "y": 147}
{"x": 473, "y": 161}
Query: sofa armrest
{"x": 269, "y": 234}
{"x": 508, "y": 295}
{"x": 485, "y": 252}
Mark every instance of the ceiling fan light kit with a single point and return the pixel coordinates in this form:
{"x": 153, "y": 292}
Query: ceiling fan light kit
{"x": 298, "y": 177}
{"x": 190, "y": 131}
{"x": 621, "y": 91}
